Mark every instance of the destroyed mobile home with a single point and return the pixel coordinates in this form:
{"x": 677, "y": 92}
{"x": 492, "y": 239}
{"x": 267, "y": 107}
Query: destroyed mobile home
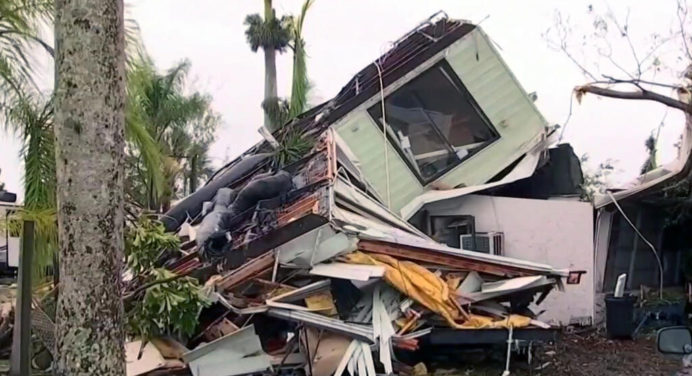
{"x": 325, "y": 264}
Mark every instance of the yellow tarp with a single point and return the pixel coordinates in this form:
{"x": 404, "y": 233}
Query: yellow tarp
{"x": 322, "y": 302}
{"x": 414, "y": 281}
{"x": 484, "y": 322}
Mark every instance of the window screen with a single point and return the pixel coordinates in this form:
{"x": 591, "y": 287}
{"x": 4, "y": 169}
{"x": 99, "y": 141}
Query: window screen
{"x": 434, "y": 122}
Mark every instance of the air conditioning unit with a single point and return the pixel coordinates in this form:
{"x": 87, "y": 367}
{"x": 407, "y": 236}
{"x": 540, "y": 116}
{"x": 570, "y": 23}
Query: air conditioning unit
{"x": 485, "y": 242}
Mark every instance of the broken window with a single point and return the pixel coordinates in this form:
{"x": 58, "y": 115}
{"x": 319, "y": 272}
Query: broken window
{"x": 434, "y": 122}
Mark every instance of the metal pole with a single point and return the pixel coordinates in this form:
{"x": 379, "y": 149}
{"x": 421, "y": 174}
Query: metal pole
{"x": 21, "y": 336}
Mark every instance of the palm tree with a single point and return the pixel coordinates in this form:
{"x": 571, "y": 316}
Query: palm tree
{"x": 276, "y": 35}
{"x": 89, "y": 127}
{"x": 272, "y": 35}
{"x": 181, "y": 125}
{"x": 198, "y": 167}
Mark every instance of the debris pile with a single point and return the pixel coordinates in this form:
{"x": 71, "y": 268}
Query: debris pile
{"x": 307, "y": 270}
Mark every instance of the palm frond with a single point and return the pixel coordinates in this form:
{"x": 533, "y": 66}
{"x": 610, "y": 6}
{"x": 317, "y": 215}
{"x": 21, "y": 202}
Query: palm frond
{"x": 294, "y": 146}
{"x": 33, "y": 117}
{"x": 300, "y": 84}
{"x": 175, "y": 121}
{"x": 278, "y": 110}
{"x": 268, "y": 33}
{"x": 20, "y": 21}
{"x": 146, "y": 147}
{"x": 134, "y": 47}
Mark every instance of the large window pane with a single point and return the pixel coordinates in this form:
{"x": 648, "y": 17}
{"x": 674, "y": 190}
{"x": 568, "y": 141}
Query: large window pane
{"x": 433, "y": 122}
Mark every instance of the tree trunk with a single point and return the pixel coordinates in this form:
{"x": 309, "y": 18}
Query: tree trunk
{"x": 270, "y": 90}
{"x": 193, "y": 173}
{"x": 89, "y": 123}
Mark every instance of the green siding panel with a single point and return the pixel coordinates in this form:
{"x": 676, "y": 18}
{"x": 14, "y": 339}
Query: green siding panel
{"x": 504, "y": 102}
{"x": 496, "y": 91}
{"x": 365, "y": 140}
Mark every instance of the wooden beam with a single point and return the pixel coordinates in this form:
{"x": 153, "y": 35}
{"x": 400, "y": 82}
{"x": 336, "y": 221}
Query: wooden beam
{"x": 247, "y": 271}
{"x": 434, "y": 257}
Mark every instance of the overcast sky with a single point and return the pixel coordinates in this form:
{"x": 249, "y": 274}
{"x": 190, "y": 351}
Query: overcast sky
{"x": 343, "y": 36}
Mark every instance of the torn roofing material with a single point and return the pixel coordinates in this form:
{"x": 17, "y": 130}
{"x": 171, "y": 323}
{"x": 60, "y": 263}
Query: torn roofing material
{"x": 523, "y": 169}
{"x": 358, "y": 331}
{"x": 420, "y": 44}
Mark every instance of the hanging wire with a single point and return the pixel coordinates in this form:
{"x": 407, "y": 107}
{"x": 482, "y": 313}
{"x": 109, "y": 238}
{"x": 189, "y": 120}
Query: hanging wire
{"x": 384, "y": 133}
{"x": 653, "y": 249}
{"x": 569, "y": 116}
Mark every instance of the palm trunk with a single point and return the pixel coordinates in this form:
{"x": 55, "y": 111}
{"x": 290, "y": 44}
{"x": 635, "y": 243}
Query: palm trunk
{"x": 270, "y": 90}
{"x": 193, "y": 173}
{"x": 89, "y": 122}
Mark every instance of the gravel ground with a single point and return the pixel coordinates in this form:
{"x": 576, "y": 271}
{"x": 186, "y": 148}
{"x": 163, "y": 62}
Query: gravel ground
{"x": 584, "y": 355}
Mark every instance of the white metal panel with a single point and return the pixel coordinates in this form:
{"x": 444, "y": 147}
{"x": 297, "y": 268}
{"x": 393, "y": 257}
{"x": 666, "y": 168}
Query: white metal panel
{"x": 556, "y": 232}
{"x": 348, "y": 271}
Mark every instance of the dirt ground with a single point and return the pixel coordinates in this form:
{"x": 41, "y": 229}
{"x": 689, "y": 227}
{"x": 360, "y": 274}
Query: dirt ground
{"x": 576, "y": 354}
{"x": 584, "y": 355}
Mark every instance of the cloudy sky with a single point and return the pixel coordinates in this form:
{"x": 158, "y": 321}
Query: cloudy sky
{"x": 345, "y": 35}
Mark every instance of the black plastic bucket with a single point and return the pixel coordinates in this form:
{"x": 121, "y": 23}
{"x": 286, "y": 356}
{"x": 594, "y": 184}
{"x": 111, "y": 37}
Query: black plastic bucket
{"x": 620, "y": 316}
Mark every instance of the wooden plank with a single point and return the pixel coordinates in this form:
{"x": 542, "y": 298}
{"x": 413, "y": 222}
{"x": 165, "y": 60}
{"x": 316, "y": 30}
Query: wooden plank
{"x": 247, "y": 271}
{"x": 434, "y": 257}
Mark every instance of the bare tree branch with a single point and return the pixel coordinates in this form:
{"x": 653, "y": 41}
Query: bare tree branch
{"x": 561, "y": 44}
{"x": 624, "y": 32}
{"x": 612, "y": 61}
{"x": 636, "y": 95}
{"x": 144, "y": 287}
{"x": 636, "y": 82}
{"x": 654, "y": 48}
{"x": 682, "y": 15}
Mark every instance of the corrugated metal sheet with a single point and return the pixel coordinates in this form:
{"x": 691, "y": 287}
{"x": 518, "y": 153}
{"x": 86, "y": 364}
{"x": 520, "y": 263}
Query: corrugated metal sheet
{"x": 365, "y": 141}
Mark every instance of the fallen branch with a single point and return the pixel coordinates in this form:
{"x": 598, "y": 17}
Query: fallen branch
{"x": 131, "y": 295}
{"x": 636, "y": 95}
